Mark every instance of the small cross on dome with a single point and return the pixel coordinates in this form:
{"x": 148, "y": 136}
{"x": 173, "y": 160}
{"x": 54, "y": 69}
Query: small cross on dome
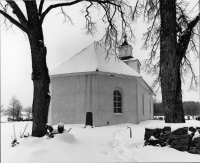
{"x": 125, "y": 40}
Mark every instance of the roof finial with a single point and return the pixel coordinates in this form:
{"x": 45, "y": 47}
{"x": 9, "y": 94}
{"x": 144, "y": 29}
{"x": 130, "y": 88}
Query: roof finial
{"x": 125, "y": 40}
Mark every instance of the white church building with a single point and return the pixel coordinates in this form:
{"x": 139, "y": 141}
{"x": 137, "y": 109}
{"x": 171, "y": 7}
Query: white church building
{"x": 110, "y": 87}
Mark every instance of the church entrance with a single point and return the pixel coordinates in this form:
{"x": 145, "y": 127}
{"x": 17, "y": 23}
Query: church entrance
{"x": 89, "y": 119}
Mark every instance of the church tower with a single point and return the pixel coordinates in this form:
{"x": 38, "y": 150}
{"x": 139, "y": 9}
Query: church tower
{"x": 125, "y": 54}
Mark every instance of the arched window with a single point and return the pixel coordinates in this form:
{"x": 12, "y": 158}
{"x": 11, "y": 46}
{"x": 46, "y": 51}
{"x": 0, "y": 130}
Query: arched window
{"x": 117, "y": 101}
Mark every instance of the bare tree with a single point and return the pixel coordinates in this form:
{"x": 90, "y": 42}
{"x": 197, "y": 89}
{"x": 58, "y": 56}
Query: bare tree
{"x": 14, "y": 109}
{"x": 174, "y": 32}
{"x": 194, "y": 110}
{"x": 155, "y": 102}
{"x": 31, "y": 24}
{"x": 28, "y": 111}
{"x": 2, "y": 109}
{"x": 191, "y": 108}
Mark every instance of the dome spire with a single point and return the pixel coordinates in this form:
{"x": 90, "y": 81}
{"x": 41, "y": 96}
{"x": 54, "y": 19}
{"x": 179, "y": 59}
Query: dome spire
{"x": 125, "y": 41}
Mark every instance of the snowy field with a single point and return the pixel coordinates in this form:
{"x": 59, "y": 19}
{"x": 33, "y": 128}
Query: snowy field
{"x": 98, "y": 144}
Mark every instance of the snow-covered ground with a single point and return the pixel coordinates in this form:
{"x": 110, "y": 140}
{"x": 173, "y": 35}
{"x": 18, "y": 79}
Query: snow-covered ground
{"x": 98, "y": 144}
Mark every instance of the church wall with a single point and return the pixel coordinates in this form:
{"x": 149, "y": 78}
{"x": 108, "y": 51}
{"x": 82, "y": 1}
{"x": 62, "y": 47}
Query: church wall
{"x": 71, "y": 98}
{"x": 105, "y": 113}
{"x": 145, "y": 103}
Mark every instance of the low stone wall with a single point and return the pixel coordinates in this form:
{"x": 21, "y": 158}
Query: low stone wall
{"x": 182, "y": 139}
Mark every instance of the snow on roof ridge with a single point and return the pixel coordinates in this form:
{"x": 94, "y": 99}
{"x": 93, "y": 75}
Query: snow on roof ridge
{"x": 95, "y": 53}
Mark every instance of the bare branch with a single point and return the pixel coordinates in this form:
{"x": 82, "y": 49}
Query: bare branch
{"x": 151, "y": 6}
{"x": 65, "y": 16}
{"x": 89, "y": 25}
{"x": 111, "y": 9}
{"x": 194, "y": 22}
{"x": 150, "y": 32}
{"x": 4, "y": 7}
{"x": 41, "y": 7}
{"x": 193, "y": 47}
{"x": 185, "y": 38}
{"x": 12, "y": 20}
{"x": 19, "y": 14}
{"x": 70, "y": 20}
{"x": 135, "y": 12}
{"x": 56, "y": 6}
{"x": 187, "y": 67}
{"x": 156, "y": 84}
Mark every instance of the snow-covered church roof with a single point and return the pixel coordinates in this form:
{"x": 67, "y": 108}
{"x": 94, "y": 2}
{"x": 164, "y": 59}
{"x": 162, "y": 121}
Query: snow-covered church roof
{"x": 94, "y": 58}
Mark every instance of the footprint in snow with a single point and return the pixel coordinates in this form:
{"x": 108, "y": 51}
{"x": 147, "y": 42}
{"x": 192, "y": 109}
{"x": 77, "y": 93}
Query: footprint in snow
{"x": 119, "y": 150}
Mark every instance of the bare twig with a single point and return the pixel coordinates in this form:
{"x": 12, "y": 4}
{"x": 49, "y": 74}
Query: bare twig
{"x": 24, "y": 130}
{"x": 65, "y": 16}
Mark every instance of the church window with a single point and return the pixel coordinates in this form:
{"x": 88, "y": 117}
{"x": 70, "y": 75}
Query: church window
{"x": 117, "y": 101}
{"x": 143, "y": 103}
{"x": 150, "y": 105}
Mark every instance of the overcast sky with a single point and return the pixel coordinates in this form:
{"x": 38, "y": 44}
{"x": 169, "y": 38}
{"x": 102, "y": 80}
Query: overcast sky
{"x": 62, "y": 42}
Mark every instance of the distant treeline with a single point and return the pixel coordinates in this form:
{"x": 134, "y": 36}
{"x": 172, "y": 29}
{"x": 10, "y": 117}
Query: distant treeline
{"x": 190, "y": 108}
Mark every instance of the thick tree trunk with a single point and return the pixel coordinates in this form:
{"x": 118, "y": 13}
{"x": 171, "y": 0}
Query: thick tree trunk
{"x": 170, "y": 65}
{"x": 40, "y": 74}
{"x": 41, "y": 83}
